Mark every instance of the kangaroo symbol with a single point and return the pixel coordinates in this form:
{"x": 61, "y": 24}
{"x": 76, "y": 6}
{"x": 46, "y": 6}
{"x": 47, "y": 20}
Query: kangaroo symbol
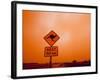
{"x": 52, "y": 37}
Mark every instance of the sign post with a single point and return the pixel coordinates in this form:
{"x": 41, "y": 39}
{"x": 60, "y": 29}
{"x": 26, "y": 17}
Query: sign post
{"x": 51, "y": 38}
{"x": 49, "y": 52}
{"x": 50, "y": 62}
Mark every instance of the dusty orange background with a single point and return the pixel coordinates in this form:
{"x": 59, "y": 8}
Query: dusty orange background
{"x": 72, "y": 28}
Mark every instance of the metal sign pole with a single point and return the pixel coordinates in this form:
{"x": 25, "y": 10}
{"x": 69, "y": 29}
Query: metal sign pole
{"x": 50, "y": 62}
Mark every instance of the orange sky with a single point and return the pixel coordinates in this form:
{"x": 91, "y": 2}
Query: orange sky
{"x": 72, "y": 28}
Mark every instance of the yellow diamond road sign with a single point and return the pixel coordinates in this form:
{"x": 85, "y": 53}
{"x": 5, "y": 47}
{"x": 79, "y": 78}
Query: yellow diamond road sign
{"x": 51, "y": 38}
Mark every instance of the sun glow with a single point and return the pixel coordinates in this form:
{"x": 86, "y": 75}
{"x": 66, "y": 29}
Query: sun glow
{"x": 72, "y": 28}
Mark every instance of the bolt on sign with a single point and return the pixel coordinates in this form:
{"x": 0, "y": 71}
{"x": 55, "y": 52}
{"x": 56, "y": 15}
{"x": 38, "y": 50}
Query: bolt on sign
{"x": 51, "y": 51}
{"x": 51, "y": 38}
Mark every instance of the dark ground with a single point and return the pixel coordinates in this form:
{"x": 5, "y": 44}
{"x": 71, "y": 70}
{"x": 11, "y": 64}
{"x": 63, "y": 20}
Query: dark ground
{"x": 56, "y": 65}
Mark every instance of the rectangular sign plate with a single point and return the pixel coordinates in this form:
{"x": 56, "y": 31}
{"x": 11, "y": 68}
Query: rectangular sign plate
{"x": 51, "y": 51}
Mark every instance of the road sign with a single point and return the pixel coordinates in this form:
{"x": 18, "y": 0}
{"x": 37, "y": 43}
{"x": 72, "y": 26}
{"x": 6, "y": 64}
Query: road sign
{"x": 51, "y": 38}
{"x": 51, "y": 51}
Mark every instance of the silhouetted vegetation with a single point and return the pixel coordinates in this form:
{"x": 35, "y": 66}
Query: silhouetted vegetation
{"x": 74, "y": 63}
